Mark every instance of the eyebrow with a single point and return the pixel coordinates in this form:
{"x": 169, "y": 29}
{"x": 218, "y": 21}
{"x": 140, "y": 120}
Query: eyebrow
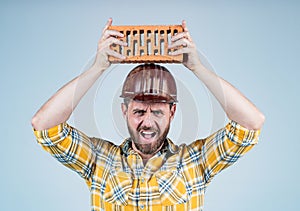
{"x": 138, "y": 109}
{"x": 160, "y": 110}
{"x": 144, "y": 110}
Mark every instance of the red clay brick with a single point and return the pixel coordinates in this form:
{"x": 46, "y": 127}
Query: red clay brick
{"x": 146, "y": 44}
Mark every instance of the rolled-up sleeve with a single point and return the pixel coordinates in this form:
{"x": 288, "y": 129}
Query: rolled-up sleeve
{"x": 70, "y": 147}
{"x": 223, "y": 148}
{"x": 241, "y": 135}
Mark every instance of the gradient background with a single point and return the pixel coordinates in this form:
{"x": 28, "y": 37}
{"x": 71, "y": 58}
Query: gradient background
{"x": 254, "y": 45}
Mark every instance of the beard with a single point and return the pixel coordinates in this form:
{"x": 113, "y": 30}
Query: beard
{"x": 148, "y": 148}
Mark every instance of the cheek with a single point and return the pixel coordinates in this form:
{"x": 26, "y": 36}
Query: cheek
{"x": 162, "y": 123}
{"x": 133, "y": 122}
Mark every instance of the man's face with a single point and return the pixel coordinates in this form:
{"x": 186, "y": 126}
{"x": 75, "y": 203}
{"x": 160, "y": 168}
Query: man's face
{"x": 148, "y": 124}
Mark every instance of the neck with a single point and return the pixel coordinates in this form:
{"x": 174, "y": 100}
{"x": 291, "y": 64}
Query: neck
{"x": 145, "y": 159}
{"x": 144, "y": 156}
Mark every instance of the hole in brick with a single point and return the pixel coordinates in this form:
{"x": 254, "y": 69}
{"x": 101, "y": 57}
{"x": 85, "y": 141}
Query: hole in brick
{"x": 155, "y": 38}
{"x": 142, "y": 37}
{"x": 169, "y": 36}
{"x": 134, "y": 33}
{"x": 149, "y": 47}
{"x": 121, "y": 50}
{"x": 155, "y": 52}
{"x": 142, "y": 52}
{"x": 120, "y": 47}
{"x": 135, "y": 48}
{"x": 175, "y": 31}
{"x": 149, "y": 33}
{"x": 162, "y": 46}
{"x": 128, "y": 37}
{"x": 128, "y": 52}
{"x": 162, "y": 32}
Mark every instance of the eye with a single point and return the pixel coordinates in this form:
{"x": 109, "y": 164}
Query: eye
{"x": 139, "y": 112}
{"x": 157, "y": 113}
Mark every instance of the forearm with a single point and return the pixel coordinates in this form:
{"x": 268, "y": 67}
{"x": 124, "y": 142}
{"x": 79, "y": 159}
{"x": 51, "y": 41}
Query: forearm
{"x": 60, "y": 106}
{"x": 237, "y": 107}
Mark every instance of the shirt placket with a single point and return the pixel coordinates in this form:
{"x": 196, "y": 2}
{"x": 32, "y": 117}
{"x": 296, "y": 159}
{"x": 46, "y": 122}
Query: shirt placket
{"x": 135, "y": 163}
{"x": 144, "y": 188}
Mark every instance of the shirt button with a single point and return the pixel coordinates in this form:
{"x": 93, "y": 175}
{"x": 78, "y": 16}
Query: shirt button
{"x": 142, "y": 206}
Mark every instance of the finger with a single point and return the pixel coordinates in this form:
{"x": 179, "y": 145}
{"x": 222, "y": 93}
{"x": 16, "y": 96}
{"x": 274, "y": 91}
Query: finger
{"x": 185, "y": 29}
{"x": 109, "y": 33}
{"x": 179, "y": 36}
{"x": 183, "y": 34}
{"x": 108, "y": 24}
{"x": 180, "y": 51}
{"x": 178, "y": 43}
{"x": 115, "y": 54}
{"x": 113, "y": 40}
{"x": 120, "y": 42}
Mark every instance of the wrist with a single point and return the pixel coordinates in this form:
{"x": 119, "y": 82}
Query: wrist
{"x": 97, "y": 68}
{"x": 198, "y": 68}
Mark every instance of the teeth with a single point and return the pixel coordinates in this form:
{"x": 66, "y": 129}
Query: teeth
{"x": 147, "y": 134}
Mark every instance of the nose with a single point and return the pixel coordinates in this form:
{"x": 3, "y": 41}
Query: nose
{"x": 147, "y": 120}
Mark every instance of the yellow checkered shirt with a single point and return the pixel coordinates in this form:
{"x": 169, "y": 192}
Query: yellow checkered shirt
{"x": 174, "y": 179}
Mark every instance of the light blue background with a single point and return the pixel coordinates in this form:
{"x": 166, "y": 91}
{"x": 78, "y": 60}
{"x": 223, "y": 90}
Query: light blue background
{"x": 252, "y": 44}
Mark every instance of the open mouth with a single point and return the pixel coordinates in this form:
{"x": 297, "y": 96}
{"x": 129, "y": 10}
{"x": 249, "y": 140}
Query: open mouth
{"x": 148, "y": 134}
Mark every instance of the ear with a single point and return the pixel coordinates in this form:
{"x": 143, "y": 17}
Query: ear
{"x": 124, "y": 109}
{"x": 172, "y": 112}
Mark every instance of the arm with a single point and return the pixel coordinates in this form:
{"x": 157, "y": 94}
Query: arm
{"x": 237, "y": 107}
{"x": 222, "y": 149}
{"x": 60, "y": 106}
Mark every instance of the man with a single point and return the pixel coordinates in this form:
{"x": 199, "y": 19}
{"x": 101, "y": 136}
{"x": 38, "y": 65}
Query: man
{"x": 147, "y": 171}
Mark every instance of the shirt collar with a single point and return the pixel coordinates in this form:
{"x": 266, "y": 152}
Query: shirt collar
{"x": 168, "y": 146}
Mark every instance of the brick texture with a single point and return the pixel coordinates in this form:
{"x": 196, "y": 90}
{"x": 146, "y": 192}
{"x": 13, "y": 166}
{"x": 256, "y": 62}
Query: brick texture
{"x": 146, "y": 44}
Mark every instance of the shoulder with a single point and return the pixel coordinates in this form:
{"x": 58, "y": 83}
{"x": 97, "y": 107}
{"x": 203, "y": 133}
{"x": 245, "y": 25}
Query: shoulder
{"x": 102, "y": 144}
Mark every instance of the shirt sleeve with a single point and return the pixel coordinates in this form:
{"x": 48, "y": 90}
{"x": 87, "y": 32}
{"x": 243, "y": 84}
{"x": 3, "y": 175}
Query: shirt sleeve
{"x": 223, "y": 148}
{"x": 70, "y": 147}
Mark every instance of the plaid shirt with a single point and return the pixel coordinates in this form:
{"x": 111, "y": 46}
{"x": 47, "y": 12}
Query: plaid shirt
{"x": 173, "y": 179}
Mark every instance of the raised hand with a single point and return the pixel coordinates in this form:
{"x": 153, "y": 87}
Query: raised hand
{"x": 108, "y": 38}
{"x": 190, "y": 56}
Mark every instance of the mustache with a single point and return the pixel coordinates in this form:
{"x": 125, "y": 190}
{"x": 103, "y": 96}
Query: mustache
{"x": 147, "y": 128}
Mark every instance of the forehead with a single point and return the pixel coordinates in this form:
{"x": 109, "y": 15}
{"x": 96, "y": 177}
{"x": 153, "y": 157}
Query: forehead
{"x": 143, "y": 105}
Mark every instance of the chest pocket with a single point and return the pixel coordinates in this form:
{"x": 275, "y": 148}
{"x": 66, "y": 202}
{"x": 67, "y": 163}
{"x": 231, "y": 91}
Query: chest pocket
{"x": 172, "y": 187}
{"x": 117, "y": 188}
